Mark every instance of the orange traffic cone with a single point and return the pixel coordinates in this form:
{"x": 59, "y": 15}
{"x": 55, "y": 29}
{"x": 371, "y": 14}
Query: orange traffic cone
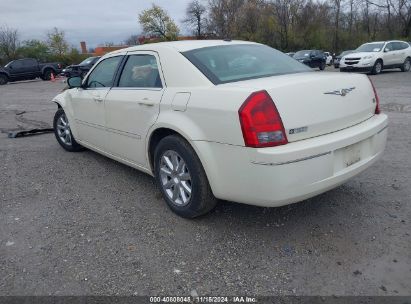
{"x": 52, "y": 77}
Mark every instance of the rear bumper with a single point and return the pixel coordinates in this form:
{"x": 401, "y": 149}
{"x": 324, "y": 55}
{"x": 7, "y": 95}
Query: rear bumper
{"x": 287, "y": 174}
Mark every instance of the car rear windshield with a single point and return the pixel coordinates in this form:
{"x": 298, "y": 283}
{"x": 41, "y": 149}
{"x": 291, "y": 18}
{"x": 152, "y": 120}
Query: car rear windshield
{"x": 224, "y": 64}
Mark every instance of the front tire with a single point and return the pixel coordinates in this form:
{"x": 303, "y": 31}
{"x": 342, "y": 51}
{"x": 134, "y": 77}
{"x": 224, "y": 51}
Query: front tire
{"x": 406, "y": 66}
{"x": 3, "y": 79}
{"x": 377, "y": 68}
{"x": 63, "y": 133}
{"x": 322, "y": 66}
{"x": 181, "y": 178}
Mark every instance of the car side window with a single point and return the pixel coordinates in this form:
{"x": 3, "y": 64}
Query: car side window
{"x": 29, "y": 62}
{"x": 401, "y": 45}
{"x": 389, "y": 47}
{"x": 17, "y": 64}
{"x": 103, "y": 75}
{"x": 140, "y": 71}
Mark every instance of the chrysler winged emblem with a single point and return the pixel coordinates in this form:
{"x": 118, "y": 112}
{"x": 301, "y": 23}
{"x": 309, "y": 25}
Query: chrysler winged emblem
{"x": 341, "y": 92}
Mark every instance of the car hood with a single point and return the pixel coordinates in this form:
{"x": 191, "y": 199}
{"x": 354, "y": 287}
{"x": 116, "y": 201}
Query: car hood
{"x": 361, "y": 54}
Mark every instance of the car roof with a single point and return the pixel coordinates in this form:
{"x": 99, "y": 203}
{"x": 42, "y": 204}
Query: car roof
{"x": 181, "y": 46}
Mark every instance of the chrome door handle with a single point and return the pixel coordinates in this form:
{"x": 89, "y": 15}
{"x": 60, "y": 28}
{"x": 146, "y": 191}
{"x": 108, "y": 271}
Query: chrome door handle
{"x": 146, "y": 103}
{"x": 98, "y": 99}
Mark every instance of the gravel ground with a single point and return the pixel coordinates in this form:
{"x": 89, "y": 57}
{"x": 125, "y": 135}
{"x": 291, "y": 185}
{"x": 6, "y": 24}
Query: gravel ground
{"x": 82, "y": 224}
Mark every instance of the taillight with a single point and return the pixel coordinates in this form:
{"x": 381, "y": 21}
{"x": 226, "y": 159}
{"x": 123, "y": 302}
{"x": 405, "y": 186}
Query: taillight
{"x": 377, "y": 99}
{"x": 260, "y": 122}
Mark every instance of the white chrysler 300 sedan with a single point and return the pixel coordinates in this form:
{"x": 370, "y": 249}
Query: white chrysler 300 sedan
{"x": 229, "y": 120}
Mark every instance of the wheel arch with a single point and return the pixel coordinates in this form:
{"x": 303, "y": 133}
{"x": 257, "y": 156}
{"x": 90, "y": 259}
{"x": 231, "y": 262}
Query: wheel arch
{"x": 159, "y": 132}
{"x": 48, "y": 68}
{"x": 62, "y": 103}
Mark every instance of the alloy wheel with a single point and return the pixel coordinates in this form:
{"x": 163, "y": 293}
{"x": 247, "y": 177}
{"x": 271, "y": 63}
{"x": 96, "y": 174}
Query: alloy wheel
{"x": 378, "y": 67}
{"x": 175, "y": 178}
{"x": 63, "y": 130}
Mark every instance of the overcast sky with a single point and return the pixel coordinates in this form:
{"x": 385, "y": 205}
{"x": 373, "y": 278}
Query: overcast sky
{"x": 93, "y": 21}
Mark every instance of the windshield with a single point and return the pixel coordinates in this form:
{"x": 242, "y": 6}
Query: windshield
{"x": 88, "y": 61}
{"x": 223, "y": 64}
{"x": 301, "y": 54}
{"x": 7, "y": 65}
{"x": 370, "y": 47}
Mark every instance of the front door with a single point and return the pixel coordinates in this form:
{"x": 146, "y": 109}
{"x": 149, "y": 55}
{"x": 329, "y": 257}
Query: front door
{"x": 389, "y": 54}
{"x": 133, "y": 105}
{"x": 88, "y": 102}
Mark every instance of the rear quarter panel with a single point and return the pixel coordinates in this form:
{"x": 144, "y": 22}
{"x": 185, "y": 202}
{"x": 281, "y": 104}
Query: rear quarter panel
{"x": 211, "y": 114}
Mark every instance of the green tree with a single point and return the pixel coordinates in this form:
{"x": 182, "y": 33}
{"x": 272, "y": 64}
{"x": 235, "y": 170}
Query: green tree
{"x": 9, "y": 43}
{"x": 57, "y": 43}
{"x": 156, "y": 21}
{"x": 35, "y": 49}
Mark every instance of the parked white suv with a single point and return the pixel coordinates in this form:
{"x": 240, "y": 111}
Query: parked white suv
{"x": 375, "y": 56}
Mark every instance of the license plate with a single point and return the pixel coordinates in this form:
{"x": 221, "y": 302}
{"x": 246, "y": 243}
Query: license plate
{"x": 352, "y": 154}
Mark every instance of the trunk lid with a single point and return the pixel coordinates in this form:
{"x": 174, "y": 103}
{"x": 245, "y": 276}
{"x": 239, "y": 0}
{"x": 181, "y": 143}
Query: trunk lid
{"x": 317, "y": 103}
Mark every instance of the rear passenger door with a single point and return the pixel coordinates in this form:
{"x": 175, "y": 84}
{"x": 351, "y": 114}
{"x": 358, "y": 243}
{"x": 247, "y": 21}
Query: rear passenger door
{"x": 132, "y": 106}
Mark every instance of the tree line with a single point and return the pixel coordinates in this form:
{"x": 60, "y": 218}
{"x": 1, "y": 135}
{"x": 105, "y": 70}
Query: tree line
{"x": 53, "y": 48}
{"x": 289, "y": 25}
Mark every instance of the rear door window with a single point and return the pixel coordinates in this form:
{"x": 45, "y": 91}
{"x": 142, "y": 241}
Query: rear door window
{"x": 140, "y": 71}
{"x": 29, "y": 62}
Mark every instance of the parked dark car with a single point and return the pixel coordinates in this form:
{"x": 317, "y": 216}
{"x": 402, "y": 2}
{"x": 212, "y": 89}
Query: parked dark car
{"x": 312, "y": 58}
{"x": 338, "y": 58}
{"x": 80, "y": 69}
{"x": 28, "y": 68}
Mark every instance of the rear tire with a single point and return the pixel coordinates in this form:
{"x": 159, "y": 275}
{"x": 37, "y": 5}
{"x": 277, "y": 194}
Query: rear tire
{"x": 47, "y": 75}
{"x": 63, "y": 133}
{"x": 181, "y": 178}
{"x": 377, "y": 68}
{"x": 406, "y": 66}
{"x": 3, "y": 79}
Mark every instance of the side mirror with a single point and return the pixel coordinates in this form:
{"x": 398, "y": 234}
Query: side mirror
{"x": 386, "y": 50}
{"x": 74, "y": 82}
